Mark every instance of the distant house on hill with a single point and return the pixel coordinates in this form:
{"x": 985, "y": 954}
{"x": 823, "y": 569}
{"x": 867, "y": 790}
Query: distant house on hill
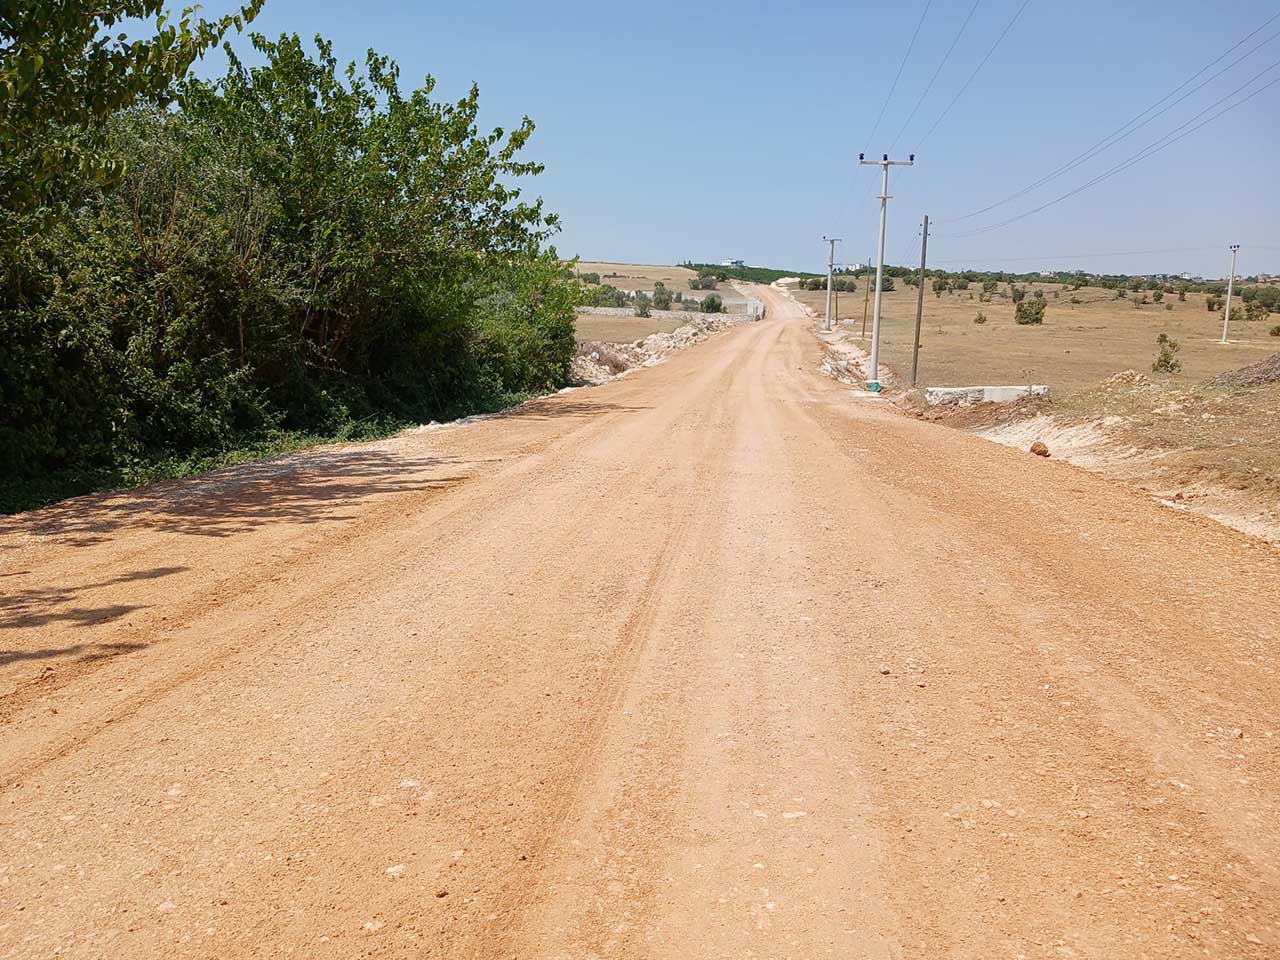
{"x": 732, "y": 263}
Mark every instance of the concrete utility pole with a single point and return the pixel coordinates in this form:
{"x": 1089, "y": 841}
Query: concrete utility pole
{"x": 884, "y": 163}
{"x": 1231, "y": 282}
{"x": 866, "y": 294}
{"x": 915, "y": 353}
{"x": 831, "y": 262}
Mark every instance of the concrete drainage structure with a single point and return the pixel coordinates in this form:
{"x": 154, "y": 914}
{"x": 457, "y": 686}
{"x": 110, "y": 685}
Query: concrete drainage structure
{"x": 966, "y": 396}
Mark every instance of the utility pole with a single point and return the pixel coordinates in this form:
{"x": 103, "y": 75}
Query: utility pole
{"x": 1231, "y": 282}
{"x": 831, "y": 261}
{"x": 884, "y": 163}
{"x": 866, "y": 294}
{"x": 915, "y": 353}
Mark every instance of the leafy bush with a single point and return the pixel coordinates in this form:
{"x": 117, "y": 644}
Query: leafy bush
{"x": 939, "y": 286}
{"x": 1168, "y": 306}
{"x": 1182, "y": 292}
{"x": 1256, "y": 310}
{"x": 1275, "y": 331}
{"x": 278, "y": 257}
{"x": 589, "y": 277}
{"x": 642, "y": 304}
{"x": 661, "y": 296}
{"x": 1157, "y": 296}
{"x": 886, "y": 284}
{"x": 1212, "y": 303}
{"x": 702, "y": 283}
{"x": 981, "y": 318}
{"x": 990, "y": 286}
{"x": 712, "y": 304}
{"x": 1166, "y": 358}
{"x": 1017, "y": 293}
{"x": 1029, "y": 312}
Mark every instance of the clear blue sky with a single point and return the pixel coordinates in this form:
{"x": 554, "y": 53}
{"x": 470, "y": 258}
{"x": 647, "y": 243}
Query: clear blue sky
{"x": 706, "y": 130}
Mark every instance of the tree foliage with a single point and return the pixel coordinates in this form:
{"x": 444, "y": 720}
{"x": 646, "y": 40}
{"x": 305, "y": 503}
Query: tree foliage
{"x": 300, "y": 246}
{"x": 66, "y": 67}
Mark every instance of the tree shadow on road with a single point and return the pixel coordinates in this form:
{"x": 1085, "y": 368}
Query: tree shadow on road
{"x": 299, "y": 489}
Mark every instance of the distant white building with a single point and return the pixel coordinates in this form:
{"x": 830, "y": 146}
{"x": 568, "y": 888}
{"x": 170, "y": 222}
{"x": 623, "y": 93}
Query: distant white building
{"x": 732, "y": 263}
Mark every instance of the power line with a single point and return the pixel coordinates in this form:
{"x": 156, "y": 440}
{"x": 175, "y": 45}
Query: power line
{"x": 929, "y": 85}
{"x": 1079, "y": 256}
{"x": 894, "y": 86}
{"x": 981, "y": 64}
{"x": 1128, "y": 128}
{"x": 1170, "y": 138}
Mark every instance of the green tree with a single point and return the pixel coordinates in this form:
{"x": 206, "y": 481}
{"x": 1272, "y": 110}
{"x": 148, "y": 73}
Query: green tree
{"x": 939, "y": 286}
{"x": 712, "y": 304}
{"x": 643, "y": 303}
{"x": 1166, "y": 356}
{"x": 661, "y": 296}
{"x": 1029, "y": 312}
{"x": 66, "y": 68}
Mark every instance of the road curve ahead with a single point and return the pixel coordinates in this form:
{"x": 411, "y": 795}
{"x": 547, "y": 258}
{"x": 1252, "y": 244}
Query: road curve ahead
{"x": 721, "y": 660}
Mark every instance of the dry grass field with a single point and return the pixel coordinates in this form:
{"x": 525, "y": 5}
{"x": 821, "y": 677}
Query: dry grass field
{"x": 638, "y": 276}
{"x": 643, "y": 276}
{"x": 609, "y": 329}
{"x": 1077, "y": 346}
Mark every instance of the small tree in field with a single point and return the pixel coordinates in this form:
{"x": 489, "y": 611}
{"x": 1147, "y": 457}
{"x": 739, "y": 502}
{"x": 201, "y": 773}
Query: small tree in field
{"x": 1166, "y": 359}
{"x": 939, "y": 286}
{"x": 712, "y": 303}
{"x": 1182, "y": 293}
{"x": 1157, "y": 296}
{"x": 989, "y": 287}
{"x": 661, "y": 296}
{"x": 1017, "y": 293}
{"x": 886, "y": 284}
{"x": 642, "y": 304}
{"x": 1030, "y": 312}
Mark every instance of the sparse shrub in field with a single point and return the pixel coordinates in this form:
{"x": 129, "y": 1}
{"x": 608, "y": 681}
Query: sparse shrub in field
{"x": 1157, "y": 296}
{"x": 703, "y": 283}
{"x": 990, "y": 286}
{"x": 589, "y": 277}
{"x": 1275, "y": 331}
{"x": 690, "y": 306}
{"x": 939, "y": 285}
{"x": 980, "y": 319}
{"x": 1121, "y": 293}
{"x": 961, "y": 284}
{"x": 1256, "y": 310}
{"x": 1166, "y": 359}
{"x": 712, "y": 304}
{"x": 1017, "y": 293}
{"x": 1029, "y": 313}
{"x": 970, "y": 296}
{"x": 886, "y": 284}
{"x": 1168, "y": 306}
{"x": 661, "y": 296}
{"x": 642, "y": 304}
{"x": 1212, "y": 302}
{"x": 911, "y": 280}
{"x": 1075, "y": 299}
{"x": 1144, "y": 299}
{"x": 1182, "y": 293}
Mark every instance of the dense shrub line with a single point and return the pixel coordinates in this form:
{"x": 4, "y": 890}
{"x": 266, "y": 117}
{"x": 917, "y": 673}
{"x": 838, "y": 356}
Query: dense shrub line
{"x": 297, "y": 249}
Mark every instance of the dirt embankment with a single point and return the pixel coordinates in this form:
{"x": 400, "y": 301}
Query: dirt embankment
{"x": 1212, "y": 448}
{"x": 598, "y": 361}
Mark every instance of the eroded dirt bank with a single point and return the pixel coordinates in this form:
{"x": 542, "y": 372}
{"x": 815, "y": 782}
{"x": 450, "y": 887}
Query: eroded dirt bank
{"x": 720, "y": 659}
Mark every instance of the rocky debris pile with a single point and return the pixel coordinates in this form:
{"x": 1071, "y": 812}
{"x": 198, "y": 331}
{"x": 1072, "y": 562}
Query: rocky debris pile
{"x": 1254, "y": 375}
{"x": 597, "y": 361}
{"x": 1127, "y": 378}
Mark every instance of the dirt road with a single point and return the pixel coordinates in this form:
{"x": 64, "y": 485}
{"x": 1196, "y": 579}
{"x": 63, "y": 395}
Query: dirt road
{"x": 718, "y": 660}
